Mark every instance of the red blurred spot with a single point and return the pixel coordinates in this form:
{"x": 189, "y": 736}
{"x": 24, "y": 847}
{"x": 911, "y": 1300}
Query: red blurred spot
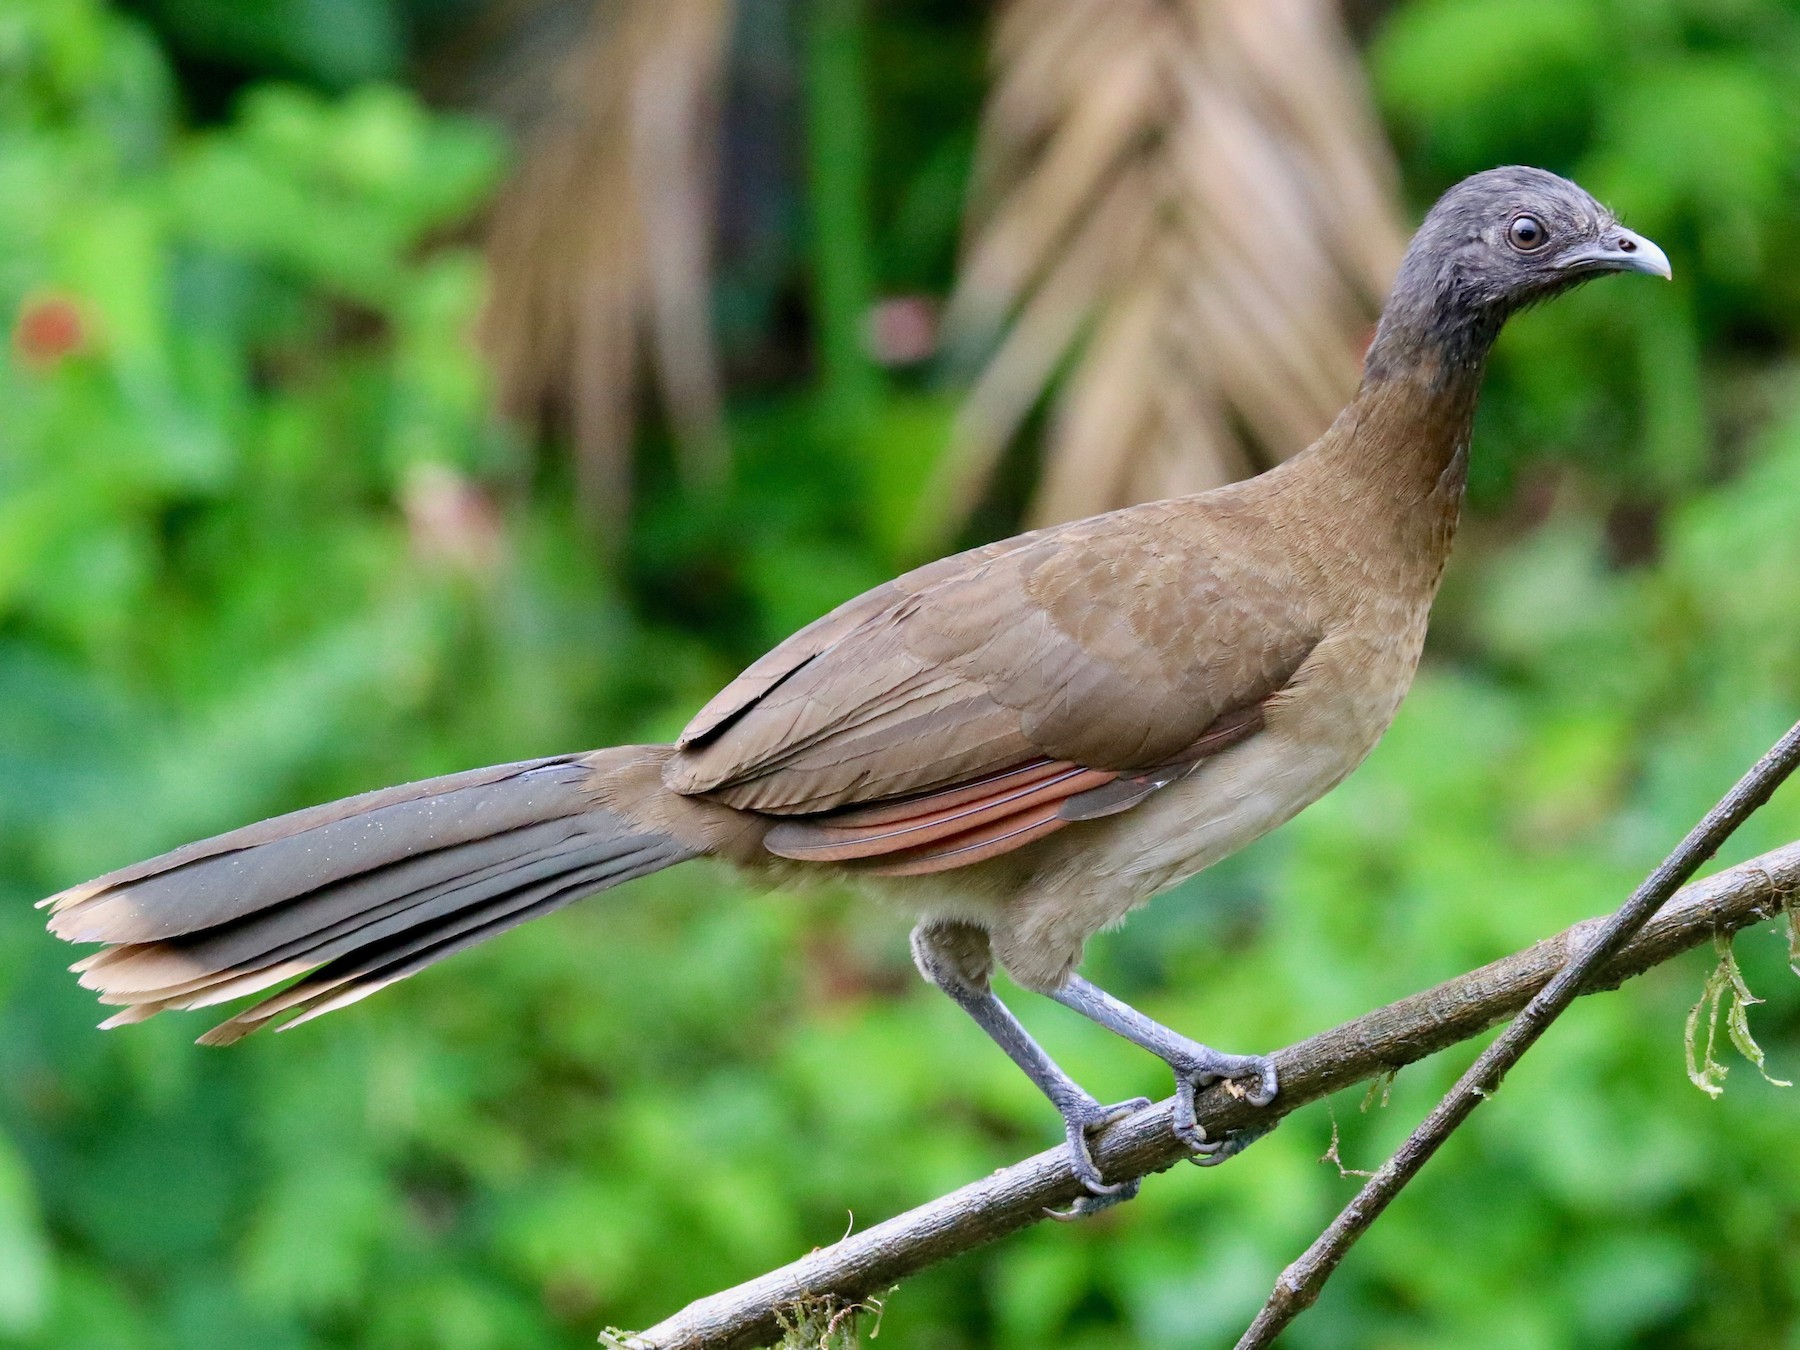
{"x": 47, "y": 329}
{"x": 901, "y": 330}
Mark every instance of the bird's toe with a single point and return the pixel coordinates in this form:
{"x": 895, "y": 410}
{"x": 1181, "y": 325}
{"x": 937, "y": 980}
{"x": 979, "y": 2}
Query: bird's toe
{"x": 1086, "y": 1205}
{"x": 1234, "y": 1143}
{"x": 1268, "y": 1081}
{"x": 1081, "y": 1121}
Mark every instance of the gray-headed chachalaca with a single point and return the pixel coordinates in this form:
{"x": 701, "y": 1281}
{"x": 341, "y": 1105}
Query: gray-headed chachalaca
{"x": 1019, "y": 744}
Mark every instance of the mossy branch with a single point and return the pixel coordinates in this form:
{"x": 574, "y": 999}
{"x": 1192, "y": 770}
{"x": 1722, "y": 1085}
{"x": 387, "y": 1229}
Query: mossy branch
{"x": 869, "y": 1262}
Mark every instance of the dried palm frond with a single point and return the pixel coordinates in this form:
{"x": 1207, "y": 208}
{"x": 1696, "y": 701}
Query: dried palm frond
{"x": 1184, "y": 220}
{"x": 600, "y": 248}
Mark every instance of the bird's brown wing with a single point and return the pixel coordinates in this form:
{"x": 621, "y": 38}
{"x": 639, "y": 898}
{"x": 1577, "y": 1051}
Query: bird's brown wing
{"x": 981, "y": 700}
{"x": 822, "y": 634}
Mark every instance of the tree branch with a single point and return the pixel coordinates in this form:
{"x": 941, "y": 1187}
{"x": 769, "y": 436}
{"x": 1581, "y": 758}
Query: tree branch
{"x": 871, "y": 1261}
{"x": 1300, "y": 1284}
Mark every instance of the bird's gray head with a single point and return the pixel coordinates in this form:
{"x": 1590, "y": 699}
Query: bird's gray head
{"x": 1493, "y": 244}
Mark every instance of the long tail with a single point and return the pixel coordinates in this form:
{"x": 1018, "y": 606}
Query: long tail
{"x": 359, "y": 893}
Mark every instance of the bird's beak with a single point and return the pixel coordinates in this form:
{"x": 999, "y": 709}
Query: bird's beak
{"x": 1618, "y": 250}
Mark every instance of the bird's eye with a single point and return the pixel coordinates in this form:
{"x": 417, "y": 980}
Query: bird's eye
{"x": 1526, "y": 233}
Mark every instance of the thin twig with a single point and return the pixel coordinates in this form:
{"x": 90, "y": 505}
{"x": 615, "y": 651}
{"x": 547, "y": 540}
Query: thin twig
{"x": 1375, "y": 1043}
{"x": 1299, "y": 1285}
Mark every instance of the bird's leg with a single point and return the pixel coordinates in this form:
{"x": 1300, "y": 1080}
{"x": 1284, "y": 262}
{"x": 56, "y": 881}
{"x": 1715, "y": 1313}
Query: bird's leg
{"x": 955, "y": 957}
{"x": 1195, "y": 1065}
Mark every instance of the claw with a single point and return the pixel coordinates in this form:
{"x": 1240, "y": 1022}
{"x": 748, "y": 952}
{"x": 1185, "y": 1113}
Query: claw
{"x": 1182, "y": 1121}
{"x": 1230, "y": 1146}
{"x": 1087, "y": 1205}
{"x": 1081, "y": 1120}
{"x": 1268, "y": 1084}
{"x": 1216, "y": 1067}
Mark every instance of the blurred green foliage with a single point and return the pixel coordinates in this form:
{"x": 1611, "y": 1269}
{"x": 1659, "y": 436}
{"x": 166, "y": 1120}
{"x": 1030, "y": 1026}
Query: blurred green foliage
{"x": 262, "y": 542}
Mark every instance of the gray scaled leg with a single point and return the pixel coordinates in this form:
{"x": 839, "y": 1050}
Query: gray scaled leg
{"x": 1195, "y": 1065}
{"x": 955, "y": 957}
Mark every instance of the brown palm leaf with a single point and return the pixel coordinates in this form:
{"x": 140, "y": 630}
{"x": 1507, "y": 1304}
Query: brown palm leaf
{"x": 1184, "y": 221}
{"x": 600, "y": 248}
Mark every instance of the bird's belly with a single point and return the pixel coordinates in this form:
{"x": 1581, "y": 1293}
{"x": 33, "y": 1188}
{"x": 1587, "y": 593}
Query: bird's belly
{"x": 1228, "y": 803}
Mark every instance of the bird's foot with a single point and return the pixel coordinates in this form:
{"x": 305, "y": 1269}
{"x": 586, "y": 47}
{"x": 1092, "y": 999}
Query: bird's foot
{"x": 1199, "y": 1066}
{"x": 1084, "y": 1117}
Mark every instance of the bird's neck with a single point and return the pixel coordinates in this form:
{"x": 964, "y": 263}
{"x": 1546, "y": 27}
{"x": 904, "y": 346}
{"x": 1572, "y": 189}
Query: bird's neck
{"x": 1389, "y": 474}
{"x": 1406, "y": 433}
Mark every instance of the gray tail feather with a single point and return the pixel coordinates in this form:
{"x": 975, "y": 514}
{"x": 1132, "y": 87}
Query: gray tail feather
{"x": 352, "y": 895}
